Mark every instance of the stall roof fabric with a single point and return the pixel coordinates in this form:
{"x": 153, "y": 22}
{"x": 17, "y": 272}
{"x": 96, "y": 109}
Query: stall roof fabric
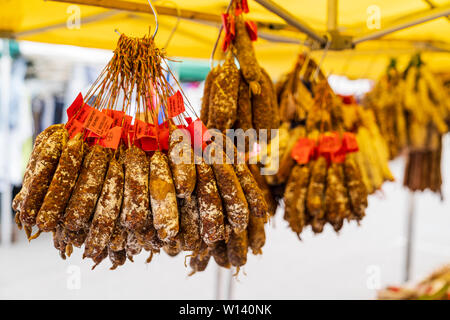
{"x": 53, "y": 22}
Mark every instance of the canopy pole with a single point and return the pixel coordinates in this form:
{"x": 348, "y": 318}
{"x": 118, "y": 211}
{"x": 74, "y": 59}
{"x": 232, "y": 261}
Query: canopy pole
{"x": 332, "y": 15}
{"x": 409, "y": 235}
{"x": 410, "y": 21}
{"x": 292, "y": 20}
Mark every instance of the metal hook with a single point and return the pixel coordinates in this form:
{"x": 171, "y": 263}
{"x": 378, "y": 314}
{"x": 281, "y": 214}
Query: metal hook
{"x": 155, "y": 14}
{"x": 218, "y": 38}
{"x": 175, "y": 27}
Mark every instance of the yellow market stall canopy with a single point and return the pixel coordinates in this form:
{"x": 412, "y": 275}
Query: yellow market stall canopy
{"x": 362, "y": 35}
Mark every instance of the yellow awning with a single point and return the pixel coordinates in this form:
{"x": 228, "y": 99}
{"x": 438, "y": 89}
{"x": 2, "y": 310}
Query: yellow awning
{"x": 52, "y": 22}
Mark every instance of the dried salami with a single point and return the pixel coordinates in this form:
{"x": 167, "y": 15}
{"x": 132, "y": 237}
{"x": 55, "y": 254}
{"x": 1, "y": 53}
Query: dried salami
{"x": 87, "y": 189}
{"x": 256, "y": 234}
{"x": 181, "y": 161}
{"x": 218, "y": 251}
{"x": 45, "y": 167}
{"x": 163, "y": 199}
{"x": 224, "y": 95}
{"x": 31, "y": 166}
{"x": 233, "y": 197}
{"x": 237, "y": 248}
{"x": 117, "y": 258}
{"x": 106, "y": 211}
{"x": 245, "y": 53}
{"x": 204, "y": 112}
{"x": 189, "y": 234}
{"x": 136, "y": 205}
{"x": 209, "y": 205}
{"x": 63, "y": 182}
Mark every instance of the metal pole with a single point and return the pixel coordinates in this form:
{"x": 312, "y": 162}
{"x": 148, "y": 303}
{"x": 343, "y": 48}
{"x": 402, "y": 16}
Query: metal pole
{"x": 332, "y": 15}
{"x": 409, "y": 235}
{"x": 292, "y": 20}
{"x": 407, "y": 22}
{"x": 6, "y": 219}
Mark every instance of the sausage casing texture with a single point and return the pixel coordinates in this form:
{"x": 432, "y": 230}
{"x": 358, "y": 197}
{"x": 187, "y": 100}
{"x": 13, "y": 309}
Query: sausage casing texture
{"x": 224, "y": 95}
{"x": 255, "y": 197}
{"x": 63, "y": 182}
{"x": 274, "y": 101}
{"x": 291, "y": 195}
{"x": 31, "y": 166}
{"x": 136, "y": 203}
{"x": 45, "y": 168}
{"x": 118, "y": 239}
{"x": 316, "y": 189}
{"x": 218, "y": 251}
{"x": 244, "y": 108}
{"x": 106, "y": 211}
{"x": 147, "y": 235}
{"x": 204, "y": 112}
{"x": 181, "y": 161}
{"x": 356, "y": 190}
{"x": 75, "y": 238}
{"x": 256, "y": 234}
{"x": 233, "y": 197}
{"x": 87, "y": 189}
{"x": 173, "y": 247}
{"x": 336, "y": 196}
{"x": 132, "y": 247}
{"x": 117, "y": 258}
{"x": 264, "y": 187}
{"x": 99, "y": 258}
{"x": 199, "y": 261}
{"x": 209, "y": 205}
{"x": 262, "y": 105}
{"x": 245, "y": 53}
{"x": 189, "y": 234}
{"x": 163, "y": 198}
{"x": 237, "y": 248}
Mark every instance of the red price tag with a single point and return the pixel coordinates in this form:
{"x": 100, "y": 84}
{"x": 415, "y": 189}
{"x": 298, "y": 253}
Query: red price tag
{"x": 73, "y": 127}
{"x": 83, "y": 113}
{"x": 349, "y": 142}
{"x": 303, "y": 150}
{"x": 199, "y": 133}
{"x": 252, "y": 30}
{"x": 163, "y": 135}
{"x": 75, "y": 106}
{"x": 329, "y": 143}
{"x": 98, "y": 122}
{"x": 175, "y": 104}
{"x": 112, "y": 138}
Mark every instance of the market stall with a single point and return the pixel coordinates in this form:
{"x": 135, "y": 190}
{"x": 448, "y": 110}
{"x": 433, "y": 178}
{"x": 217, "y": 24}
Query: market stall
{"x": 109, "y": 178}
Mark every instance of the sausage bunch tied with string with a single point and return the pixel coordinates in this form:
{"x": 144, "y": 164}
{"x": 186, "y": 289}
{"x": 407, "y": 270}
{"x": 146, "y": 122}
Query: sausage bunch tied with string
{"x": 143, "y": 193}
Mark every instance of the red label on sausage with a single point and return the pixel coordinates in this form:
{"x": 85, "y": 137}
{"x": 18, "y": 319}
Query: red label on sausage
{"x": 303, "y": 150}
{"x": 98, "y": 122}
{"x": 112, "y": 138}
{"x": 199, "y": 133}
{"x": 175, "y": 104}
{"x": 349, "y": 142}
{"x": 252, "y": 30}
{"x": 83, "y": 113}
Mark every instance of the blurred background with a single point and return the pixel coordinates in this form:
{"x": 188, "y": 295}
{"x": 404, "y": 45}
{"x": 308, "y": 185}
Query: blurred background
{"x": 354, "y": 264}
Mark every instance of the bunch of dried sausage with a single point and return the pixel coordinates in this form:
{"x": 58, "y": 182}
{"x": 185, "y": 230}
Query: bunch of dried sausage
{"x": 120, "y": 189}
